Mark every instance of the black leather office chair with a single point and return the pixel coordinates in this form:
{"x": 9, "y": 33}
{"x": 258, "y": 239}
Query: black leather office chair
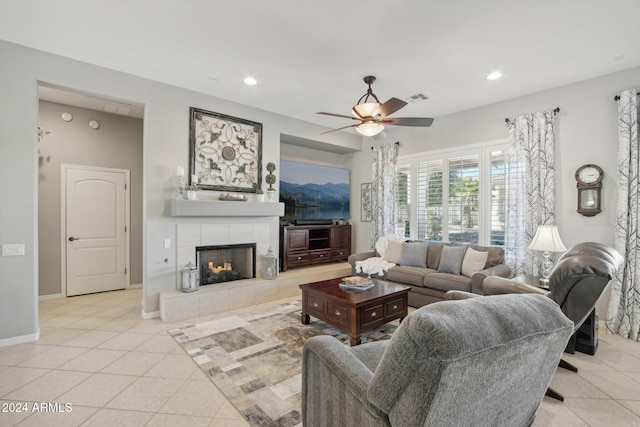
{"x": 576, "y": 283}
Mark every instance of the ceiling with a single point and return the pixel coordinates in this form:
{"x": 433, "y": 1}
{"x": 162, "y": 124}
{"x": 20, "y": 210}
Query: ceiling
{"x": 312, "y": 56}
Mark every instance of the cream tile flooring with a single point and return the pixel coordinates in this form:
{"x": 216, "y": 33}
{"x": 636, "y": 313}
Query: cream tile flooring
{"x": 115, "y": 369}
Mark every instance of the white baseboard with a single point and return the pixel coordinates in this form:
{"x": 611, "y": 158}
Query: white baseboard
{"x": 50, "y": 296}
{"x": 151, "y": 315}
{"x": 20, "y": 339}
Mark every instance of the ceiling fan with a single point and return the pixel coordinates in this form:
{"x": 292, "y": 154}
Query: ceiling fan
{"x": 373, "y": 115}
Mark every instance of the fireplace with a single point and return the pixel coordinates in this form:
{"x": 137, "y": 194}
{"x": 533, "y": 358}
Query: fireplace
{"x": 225, "y": 263}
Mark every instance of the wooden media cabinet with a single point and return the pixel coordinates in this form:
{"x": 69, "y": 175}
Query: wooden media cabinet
{"x": 313, "y": 244}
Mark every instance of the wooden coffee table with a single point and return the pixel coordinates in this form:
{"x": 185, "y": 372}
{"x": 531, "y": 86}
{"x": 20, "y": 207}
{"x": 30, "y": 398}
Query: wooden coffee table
{"x": 354, "y": 311}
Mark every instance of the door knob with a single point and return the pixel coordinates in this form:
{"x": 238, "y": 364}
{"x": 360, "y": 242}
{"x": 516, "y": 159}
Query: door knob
{"x": 71, "y": 239}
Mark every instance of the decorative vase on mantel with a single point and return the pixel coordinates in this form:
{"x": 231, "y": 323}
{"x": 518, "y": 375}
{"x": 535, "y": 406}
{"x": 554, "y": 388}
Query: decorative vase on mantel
{"x": 271, "y": 194}
{"x": 259, "y": 195}
{"x": 192, "y": 192}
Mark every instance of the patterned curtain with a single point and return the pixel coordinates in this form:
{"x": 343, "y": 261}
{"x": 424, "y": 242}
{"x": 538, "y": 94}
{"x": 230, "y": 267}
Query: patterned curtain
{"x": 530, "y": 182}
{"x": 384, "y": 191}
{"x": 623, "y": 315}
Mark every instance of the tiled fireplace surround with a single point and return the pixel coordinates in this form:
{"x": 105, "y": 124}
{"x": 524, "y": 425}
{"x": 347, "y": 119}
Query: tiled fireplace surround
{"x": 177, "y": 305}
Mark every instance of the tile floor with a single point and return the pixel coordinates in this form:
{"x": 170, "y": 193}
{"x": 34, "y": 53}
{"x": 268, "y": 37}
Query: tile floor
{"x": 96, "y": 354}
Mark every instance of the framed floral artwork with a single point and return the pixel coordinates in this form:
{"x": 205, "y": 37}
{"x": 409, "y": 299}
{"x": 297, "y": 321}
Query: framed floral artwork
{"x": 225, "y": 153}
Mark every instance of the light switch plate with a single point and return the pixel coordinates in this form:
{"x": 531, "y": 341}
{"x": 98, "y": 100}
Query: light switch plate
{"x": 13, "y": 250}
{"x": 167, "y": 243}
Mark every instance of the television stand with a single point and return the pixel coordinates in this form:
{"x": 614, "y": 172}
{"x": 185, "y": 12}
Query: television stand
{"x": 313, "y": 244}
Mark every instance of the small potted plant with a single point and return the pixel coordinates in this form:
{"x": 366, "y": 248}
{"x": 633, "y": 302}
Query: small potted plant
{"x": 192, "y": 192}
{"x": 270, "y": 179}
{"x": 260, "y": 195}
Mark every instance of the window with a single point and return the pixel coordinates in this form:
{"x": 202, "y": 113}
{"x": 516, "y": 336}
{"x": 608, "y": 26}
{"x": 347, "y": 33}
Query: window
{"x": 455, "y": 196}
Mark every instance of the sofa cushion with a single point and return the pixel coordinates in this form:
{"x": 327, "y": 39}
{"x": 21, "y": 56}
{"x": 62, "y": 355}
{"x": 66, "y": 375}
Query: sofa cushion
{"x": 408, "y": 275}
{"x": 451, "y": 259}
{"x": 447, "y": 282}
{"x": 434, "y": 250}
{"x": 473, "y": 262}
{"x": 414, "y": 254}
{"x": 394, "y": 252}
{"x": 496, "y": 255}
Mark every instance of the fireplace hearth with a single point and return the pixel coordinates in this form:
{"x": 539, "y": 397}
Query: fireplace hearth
{"x": 226, "y": 263}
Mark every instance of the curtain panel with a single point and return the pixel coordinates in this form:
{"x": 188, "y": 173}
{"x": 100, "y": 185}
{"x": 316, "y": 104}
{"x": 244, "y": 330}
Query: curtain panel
{"x": 383, "y": 191}
{"x": 623, "y": 314}
{"x": 530, "y": 182}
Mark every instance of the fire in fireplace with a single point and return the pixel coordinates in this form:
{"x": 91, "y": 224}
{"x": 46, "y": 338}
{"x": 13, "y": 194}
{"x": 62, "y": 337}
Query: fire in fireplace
{"x": 225, "y": 263}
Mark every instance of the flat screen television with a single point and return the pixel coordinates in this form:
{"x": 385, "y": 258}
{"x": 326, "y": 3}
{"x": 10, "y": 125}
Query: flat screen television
{"x": 315, "y": 192}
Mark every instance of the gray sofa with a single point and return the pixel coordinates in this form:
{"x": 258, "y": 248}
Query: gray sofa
{"x": 478, "y": 362}
{"x": 429, "y": 279}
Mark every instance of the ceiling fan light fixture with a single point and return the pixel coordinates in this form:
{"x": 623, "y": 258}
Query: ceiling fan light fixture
{"x": 366, "y": 109}
{"x": 369, "y": 128}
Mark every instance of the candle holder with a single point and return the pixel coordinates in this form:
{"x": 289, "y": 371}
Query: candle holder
{"x": 180, "y": 176}
{"x": 190, "y": 278}
{"x": 181, "y": 186}
{"x": 270, "y": 265}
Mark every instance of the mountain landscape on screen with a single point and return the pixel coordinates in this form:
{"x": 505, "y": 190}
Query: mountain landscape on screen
{"x": 314, "y": 200}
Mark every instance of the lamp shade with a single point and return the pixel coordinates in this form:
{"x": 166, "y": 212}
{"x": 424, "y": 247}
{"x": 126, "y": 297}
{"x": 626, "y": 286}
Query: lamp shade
{"x": 367, "y": 109}
{"x": 547, "y": 239}
{"x": 369, "y": 128}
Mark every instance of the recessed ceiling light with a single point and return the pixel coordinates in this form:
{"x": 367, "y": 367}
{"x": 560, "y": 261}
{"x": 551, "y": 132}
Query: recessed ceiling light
{"x": 250, "y": 81}
{"x": 494, "y": 76}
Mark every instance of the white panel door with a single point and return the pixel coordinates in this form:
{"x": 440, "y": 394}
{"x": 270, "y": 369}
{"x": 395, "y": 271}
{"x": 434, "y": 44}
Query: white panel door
{"x": 96, "y": 216}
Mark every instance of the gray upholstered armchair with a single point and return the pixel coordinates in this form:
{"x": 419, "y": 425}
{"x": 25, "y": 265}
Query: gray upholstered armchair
{"x": 480, "y": 362}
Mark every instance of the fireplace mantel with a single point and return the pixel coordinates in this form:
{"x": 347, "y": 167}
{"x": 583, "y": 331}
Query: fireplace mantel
{"x": 221, "y": 208}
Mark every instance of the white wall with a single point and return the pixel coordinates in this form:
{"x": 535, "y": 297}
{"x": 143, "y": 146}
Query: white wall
{"x": 166, "y": 139}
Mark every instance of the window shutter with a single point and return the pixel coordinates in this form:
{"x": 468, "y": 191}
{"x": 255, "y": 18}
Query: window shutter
{"x": 403, "y": 198}
{"x": 498, "y": 193}
{"x": 430, "y": 199}
{"x": 464, "y": 186}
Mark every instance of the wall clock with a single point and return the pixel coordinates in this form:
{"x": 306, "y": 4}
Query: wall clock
{"x": 589, "y": 184}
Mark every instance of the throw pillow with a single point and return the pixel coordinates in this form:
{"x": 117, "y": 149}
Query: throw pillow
{"x": 382, "y": 242}
{"x": 394, "y": 252}
{"x": 414, "y": 254}
{"x": 451, "y": 259}
{"x": 473, "y": 262}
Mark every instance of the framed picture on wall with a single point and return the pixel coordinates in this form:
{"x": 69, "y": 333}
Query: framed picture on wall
{"x": 225, "y": 153}
{"x": 366, "y": 210}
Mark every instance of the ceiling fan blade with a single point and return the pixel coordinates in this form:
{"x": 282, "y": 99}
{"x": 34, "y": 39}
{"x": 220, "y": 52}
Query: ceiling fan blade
{"x": 391, "y": 106}
{"x": 333, "y": 130}
{"x": 408, "y": 121}
{"x": 337, "y": 115}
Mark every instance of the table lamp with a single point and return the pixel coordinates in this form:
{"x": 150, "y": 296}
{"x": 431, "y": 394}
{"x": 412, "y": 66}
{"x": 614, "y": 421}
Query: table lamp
{"x": 547, "y": 240}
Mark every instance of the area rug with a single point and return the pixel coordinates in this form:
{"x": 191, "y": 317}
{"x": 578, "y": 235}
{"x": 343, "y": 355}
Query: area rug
{"x": 255, "y": 359}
